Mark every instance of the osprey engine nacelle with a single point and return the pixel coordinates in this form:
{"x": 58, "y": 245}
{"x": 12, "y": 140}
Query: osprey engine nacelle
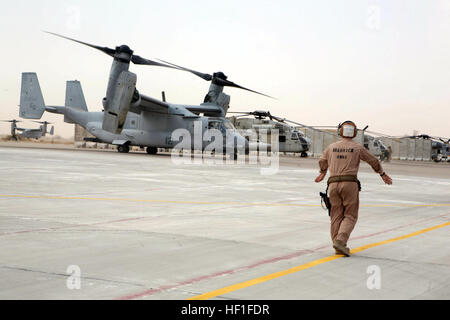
{"x": 117, "y": 108}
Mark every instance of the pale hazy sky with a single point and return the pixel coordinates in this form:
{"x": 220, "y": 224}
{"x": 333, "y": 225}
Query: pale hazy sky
{"x": 384, "y": 63}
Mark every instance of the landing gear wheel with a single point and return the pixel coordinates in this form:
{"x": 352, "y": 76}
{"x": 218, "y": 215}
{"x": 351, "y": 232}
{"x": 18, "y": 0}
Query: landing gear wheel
{"x": 152, "y": 150}
{"x": 304, "y": 154}
{"x": 123, "y": 149}
{"x": 438, "y": 158}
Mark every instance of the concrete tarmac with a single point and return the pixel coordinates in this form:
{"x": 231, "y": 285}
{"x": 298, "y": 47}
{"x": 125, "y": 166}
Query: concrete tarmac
{"x": 142, "y": 227}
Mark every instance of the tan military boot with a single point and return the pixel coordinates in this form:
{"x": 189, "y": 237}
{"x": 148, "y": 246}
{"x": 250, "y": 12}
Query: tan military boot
{"x": 339, "y": 252}
{"x": 341, "y": 248}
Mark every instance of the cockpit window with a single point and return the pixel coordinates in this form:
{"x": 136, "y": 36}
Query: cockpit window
{"x": 220, "y": 125}
{"x": 214, "y": 125}
{"x": 294, "y": 136}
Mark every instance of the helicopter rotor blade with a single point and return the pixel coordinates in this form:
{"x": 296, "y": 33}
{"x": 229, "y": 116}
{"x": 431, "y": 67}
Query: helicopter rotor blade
{"x": 262, "y": 114}
{"x": 312, "y": 128}
{"x": 242, "y": 112}
{"x": 380, "y": 134}
{"x": 276, "y": 118}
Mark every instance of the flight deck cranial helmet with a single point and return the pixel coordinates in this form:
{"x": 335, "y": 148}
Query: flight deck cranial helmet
{"x": 347, "y": 129}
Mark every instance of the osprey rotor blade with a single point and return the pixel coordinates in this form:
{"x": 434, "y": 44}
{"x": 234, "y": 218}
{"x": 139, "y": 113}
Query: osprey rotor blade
{"x": 215, "y": 79}
{"x": 204, "y": 76}
{"x": 43, "y": 122}
{"x": 227, "y": 83}
{"x": 111, "y": 52}
{"x": 106, "y": 50}
{"x": 142, "y": 61}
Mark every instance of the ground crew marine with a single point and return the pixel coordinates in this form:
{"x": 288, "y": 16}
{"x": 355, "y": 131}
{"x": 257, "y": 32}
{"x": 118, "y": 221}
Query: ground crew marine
{"x": 342, "y": 159}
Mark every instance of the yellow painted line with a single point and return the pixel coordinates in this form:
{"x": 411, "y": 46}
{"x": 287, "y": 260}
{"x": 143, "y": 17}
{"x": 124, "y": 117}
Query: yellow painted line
{"x": 214, "y": 202}
{"x": 308, "y": 265}
{"x": 368, "y": 246}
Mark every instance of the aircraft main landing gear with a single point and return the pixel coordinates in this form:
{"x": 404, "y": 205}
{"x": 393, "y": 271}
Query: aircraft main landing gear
{"x": 123, "y": 149}
{"x": 152, "y": 150}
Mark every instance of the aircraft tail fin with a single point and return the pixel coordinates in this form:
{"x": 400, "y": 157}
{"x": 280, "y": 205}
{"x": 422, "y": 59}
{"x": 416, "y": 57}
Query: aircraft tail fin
{"x": 74, "y": 96}
{"x": 32, "y": 104}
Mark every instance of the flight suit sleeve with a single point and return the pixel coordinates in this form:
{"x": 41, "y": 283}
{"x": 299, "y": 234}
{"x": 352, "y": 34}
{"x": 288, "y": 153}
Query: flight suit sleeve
{"x": 323, "y": 161}
{"x": 371, "y": 160}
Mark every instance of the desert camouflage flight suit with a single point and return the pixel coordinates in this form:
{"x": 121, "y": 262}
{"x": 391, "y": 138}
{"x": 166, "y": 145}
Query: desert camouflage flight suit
{"x": 342, "y": 158}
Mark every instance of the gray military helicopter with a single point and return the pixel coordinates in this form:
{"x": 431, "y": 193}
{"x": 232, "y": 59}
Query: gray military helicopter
{"x": 130, "y": 118}
{"x": 290, "y": 139}
{"x": 376, "y": 147}
{"x": 440, "y": 151}
{"x": 30, "y": 133}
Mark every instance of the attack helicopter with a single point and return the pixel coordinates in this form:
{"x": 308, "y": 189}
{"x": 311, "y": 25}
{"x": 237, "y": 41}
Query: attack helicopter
{"x": 130, "y": 118}
{"x": 30, "y": 133}
{"x": 290, "y": 139}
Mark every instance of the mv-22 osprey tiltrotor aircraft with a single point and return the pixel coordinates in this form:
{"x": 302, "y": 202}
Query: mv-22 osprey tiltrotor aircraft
{"x": 30, "y": 133}
{"x": 130, "y": 118}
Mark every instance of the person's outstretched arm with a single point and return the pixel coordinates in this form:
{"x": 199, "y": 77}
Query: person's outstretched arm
{"x": 323, "y": 165}
{"x": 375, "y": 164}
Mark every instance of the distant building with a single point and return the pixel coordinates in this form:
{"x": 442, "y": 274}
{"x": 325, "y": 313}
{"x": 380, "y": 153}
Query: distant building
{"x": 81, "y": 133}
